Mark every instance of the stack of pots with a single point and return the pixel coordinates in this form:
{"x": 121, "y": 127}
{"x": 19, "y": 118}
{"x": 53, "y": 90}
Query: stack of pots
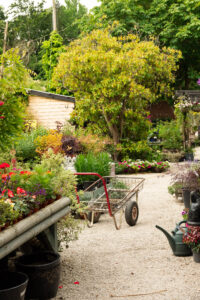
{"x": 43, "y": 271}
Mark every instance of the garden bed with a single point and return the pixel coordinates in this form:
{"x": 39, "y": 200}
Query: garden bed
{"x": 130, "y": 167}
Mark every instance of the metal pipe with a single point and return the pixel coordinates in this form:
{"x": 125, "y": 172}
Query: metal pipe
{"x": 27, "y": 223}
{"x": 104, "y": 185}
{"x": 26, "y": 235}
{"x": 18, "y": 234}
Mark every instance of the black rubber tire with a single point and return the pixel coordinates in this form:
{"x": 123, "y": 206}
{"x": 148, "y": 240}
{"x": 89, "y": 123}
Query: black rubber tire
{"x": 97, "y": 216}
{"x": 131, "y": 213}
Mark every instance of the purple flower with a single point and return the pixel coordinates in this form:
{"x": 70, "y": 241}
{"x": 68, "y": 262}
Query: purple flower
{"x": 198, "y": 81}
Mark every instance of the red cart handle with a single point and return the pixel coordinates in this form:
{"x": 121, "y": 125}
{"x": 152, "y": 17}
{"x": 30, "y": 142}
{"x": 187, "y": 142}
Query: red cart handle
{"x": 105, "y": 188}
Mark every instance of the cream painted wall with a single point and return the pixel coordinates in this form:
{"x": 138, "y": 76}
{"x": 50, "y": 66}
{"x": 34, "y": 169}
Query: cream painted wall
{"x": 47, "y": 111}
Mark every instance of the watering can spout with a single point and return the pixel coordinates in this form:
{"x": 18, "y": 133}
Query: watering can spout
{"x": 170, "y": 238}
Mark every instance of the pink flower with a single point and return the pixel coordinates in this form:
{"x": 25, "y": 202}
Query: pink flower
{"x": 1, "y": 103}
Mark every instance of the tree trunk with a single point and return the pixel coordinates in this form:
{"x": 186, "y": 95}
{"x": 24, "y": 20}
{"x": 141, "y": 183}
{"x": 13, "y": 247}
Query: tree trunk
{"x": 187, "y": 79}
{"x": 114, "y": 133}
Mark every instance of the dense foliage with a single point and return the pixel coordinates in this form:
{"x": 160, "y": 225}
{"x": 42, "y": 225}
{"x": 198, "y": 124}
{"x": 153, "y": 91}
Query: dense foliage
{"x": 12, "y": 87}
{"x": 31, "y": 24}
{"x": 114, "y": 80}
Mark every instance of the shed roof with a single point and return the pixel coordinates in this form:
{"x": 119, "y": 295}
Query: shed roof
{"x": 51, "y": 95}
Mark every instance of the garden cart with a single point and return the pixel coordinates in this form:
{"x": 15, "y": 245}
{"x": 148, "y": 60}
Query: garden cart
{"x": 110, "y": 194}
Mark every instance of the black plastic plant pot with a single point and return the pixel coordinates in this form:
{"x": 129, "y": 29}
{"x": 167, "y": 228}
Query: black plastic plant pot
{"x": 194, "y": 210}
{"x": 186, "y": 198}
{"x": 13, "y": 285}
{"x": 43, "y": 270}
{"x": 189, "y": 156}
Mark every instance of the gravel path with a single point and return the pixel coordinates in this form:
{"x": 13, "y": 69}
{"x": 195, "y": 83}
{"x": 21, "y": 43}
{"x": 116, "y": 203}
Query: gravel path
{"x": 126, "y": 263}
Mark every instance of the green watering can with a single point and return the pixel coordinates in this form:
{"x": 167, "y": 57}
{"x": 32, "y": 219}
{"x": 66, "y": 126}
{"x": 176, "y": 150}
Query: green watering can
{"x": 176, "y": 240}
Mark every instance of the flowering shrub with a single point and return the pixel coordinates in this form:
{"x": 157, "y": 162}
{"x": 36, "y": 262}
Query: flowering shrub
{"x": 23, "y": 192}
{"x": 143, "y": 166}
{"x": 53, "y": 140}
{"x": 185, "y": 104}
{"x": 192, "y": 237}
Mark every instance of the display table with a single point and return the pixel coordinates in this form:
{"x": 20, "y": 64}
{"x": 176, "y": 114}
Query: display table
{"x": 42, "y": 222}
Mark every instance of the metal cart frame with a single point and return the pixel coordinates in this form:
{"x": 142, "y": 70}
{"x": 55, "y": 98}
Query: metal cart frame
{"x": 104, "y": 203}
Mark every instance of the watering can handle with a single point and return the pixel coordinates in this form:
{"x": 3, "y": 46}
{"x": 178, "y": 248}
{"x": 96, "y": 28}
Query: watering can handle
{"x": 181, "y": 222}
{"x": 180, "y": 228}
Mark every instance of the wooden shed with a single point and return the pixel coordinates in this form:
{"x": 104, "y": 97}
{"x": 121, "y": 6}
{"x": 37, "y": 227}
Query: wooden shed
{"x": 161, "y": 111}
{"x": 47, "y": 108}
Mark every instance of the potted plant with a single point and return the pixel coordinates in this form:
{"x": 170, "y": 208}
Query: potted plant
{"x": 189, "y": 154}
{"x": 93, "y": 163}
{"x": 188, "y": 179}
{"x": 192, "y": 239}
{"x": 23, "y": 192}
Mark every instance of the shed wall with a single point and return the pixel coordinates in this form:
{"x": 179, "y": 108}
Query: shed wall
{"x": 47, "y": 111}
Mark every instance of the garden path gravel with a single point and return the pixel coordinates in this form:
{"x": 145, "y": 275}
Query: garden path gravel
{"x": 133, "y": 262}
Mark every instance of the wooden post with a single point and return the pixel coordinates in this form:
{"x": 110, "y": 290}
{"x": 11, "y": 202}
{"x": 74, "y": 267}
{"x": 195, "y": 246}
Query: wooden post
{"x": 54, "y": 15}
{"x": 4, "y": 47}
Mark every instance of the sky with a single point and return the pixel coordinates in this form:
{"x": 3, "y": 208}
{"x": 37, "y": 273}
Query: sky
{"x": 88, "y": 3}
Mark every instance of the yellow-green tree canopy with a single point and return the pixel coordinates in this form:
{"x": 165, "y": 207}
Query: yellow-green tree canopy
{"x": 115, "y": 79}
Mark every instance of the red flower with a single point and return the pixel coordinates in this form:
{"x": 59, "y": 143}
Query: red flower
{"x": 21, "y": 191}
{"x": 2, "y": 117}
{"x": 1, "y": 103}
{"x": 10, "y": 193}
{"x": 11, "y": 173}
{"x": 4, "y": 165}
{"x": 4, "y": 176}
{"x": 26, "y": 172}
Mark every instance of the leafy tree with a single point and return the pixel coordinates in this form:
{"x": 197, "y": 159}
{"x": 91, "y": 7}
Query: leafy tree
{"x": 68, "y": 19}
{"x": 12, "y": 87}
{"x": 177, "y": 24}
{"x": 114, "y": 80}
{"x": 130, "y": 15}
{"x": 30, "y": 25}
{"x": 51, "y": 50}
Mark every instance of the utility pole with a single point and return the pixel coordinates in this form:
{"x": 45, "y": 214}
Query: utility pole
{"x": 5, "y": 37}
{"x": 54, "y": 15}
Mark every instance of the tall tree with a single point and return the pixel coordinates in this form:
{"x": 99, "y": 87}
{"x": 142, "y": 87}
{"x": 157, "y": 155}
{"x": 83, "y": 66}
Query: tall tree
{"x": 114, "y": 80}
{"x": 68, "y": 19}
{"x": 31, "y": 24}
{"x": 129, "y": 14}
{"x": 177, "y": 24}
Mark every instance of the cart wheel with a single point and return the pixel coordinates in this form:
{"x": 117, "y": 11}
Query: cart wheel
{"x": 131, "y": 213}
{"x": 97, "y": 216}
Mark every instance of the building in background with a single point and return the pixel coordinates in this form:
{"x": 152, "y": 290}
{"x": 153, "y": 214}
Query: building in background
{"x": 47, "y": 108}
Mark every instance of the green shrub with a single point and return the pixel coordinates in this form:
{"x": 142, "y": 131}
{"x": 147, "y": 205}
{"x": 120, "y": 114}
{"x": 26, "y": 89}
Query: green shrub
{"x": 136, "y": 150}
{"x": 99, "y": 163}
{"x": 25, "y": 145}
{"x": 170, "y": 134}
